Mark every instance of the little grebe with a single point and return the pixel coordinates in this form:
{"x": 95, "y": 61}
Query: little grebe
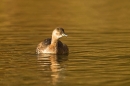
{"x": 53, "y": 45}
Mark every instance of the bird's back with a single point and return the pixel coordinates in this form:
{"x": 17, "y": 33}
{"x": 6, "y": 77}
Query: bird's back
{"x": 61, "y": 48}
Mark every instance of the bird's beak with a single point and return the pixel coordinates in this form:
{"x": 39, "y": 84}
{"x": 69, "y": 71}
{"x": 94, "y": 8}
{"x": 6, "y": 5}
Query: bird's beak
{"x": 64, "y": 34}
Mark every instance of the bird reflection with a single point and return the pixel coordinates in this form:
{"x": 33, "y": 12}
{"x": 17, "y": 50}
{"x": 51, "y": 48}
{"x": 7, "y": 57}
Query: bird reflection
{"x": 53, "y": 63}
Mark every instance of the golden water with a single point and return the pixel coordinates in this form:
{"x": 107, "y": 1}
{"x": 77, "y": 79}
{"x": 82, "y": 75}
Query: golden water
{"x": 98, "y": 40}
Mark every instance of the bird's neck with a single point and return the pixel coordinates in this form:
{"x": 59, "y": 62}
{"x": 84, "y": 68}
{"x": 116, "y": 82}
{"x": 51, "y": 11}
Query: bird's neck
{"x": 54, "y": 41}
{"x": 54, "y": 45}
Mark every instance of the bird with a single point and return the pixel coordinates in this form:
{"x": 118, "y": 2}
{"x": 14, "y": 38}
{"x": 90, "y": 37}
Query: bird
{"x": 53, "y": 45}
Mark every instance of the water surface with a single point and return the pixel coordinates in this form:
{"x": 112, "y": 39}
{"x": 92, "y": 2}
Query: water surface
{"x": 98, "y": 40}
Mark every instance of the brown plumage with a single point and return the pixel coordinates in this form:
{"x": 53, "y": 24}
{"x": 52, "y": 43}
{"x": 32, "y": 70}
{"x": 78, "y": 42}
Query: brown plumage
{"x": 53, "y": 45}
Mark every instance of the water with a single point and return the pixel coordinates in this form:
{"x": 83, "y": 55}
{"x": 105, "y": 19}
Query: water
{"x": 98, "y": 40}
